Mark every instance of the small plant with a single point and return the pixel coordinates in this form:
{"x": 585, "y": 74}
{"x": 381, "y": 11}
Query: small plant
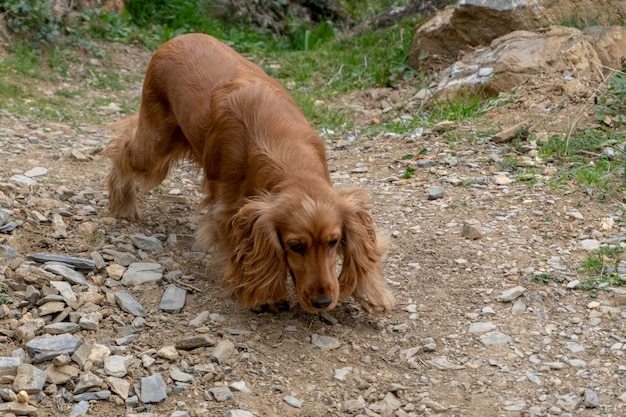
{"x": 5, "y": 294}
{"x": 466, "y": 103}
{"x": 603, "y": 267}
{"x": 32, "y": 20}
{"x": 543, "y": 278}
{"x": 408, "y": 173}
{"x": 611, "y": 107}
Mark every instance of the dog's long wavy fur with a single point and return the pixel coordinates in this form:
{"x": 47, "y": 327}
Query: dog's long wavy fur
{"x": 266, "y": 179}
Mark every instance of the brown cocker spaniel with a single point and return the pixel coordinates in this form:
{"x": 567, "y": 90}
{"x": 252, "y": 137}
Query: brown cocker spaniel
{"x": 271, "y": 207}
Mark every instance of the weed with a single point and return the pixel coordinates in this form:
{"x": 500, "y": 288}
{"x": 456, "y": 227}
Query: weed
{"x": 408, "y": 173}
{"x": 33, "y": 20}
{"x": 544, "y": 278}
{"x": 611, "y": 107}
{"x": 603, "y": 269}
{"x": 96, "y": 237}
{"x": 5, "y": 294}
{"x": 466, "y": 103}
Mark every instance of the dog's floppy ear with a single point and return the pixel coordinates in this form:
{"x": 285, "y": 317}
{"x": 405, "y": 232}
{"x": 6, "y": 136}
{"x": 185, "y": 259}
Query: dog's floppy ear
{"x": 256, "y": 269}
{"x": 361, "y": 275}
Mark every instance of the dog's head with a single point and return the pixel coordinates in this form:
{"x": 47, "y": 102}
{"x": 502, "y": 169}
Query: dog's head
{"x": 305, "y": 235}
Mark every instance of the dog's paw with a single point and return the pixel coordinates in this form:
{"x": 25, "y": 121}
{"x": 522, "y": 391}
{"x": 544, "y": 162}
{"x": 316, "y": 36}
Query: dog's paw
{"x": 277, "y": 307}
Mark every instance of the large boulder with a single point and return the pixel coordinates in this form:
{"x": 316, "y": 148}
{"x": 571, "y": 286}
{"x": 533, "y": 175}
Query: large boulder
{"x": 573, "y": 59}
{"x": 454, "y": 31}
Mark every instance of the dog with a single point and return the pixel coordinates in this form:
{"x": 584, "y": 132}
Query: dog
{"x": 271, "y": 210}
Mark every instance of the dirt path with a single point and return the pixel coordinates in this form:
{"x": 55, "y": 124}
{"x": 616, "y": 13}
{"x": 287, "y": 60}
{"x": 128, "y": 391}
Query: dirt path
{"x": 453, "y": 346}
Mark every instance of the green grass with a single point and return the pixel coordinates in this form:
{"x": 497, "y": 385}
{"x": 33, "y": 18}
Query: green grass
{"x": 602, "y": 269}
{"x": 583, "y": 164}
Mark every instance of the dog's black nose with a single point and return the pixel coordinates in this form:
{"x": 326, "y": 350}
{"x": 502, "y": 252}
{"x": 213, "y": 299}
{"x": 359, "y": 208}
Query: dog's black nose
{"x": 321, "y": 302}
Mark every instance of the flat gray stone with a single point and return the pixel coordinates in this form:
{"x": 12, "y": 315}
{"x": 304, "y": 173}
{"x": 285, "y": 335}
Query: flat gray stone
{"x": 87, "y": 381}
{"x": 435, "y": 193}
{"x": 495, "y": 339}
{"x": 22, "y": 180}
{"x": 43, "y": 348}
{"x": 78, "y": 263}
{"x": 29, "y": 378}
{"x": 224, "y": 349}
{"x": 173, "y": 299}
{"x": 153, "y": 389}
{"x": 140, "y": 273}
{"x": 325, "y": 342}
{"x": 61, "y": 328}
{"x": 194, "y": 342}
{"x": 65, "y": 289}
{"x": 128, "y": 304}
{"x": 115, "y": 365}
{"x": 238, "y": 413}
{"x": 293, "y": 401}
{"x": 512, "y": 294}
{"x": 67, "y": 273}
{"x": 221, "y": 393}
{"x": 9, "y": 365}
{"x": 119, "y": 386}
{"x": 80, "y": 409}
{"x": 18, "y": 409}
{"x": 91, "y": 396}
{"x": 147, "y": 243}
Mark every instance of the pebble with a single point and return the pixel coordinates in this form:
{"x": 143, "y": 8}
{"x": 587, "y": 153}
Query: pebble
{"x": 495, "y": 339}
{"x": 589, "y": 244}
{"x": 119, "y": 386}
{"x": 238, "y": 413}
{"x": 153, "y": 389}
{"x": 115, "y": 365}
{"x": 199, "y": 319}
{"x": 194, "y": 342}
{"x": 147, "y": 243}
{"x": 224, "y": 350}
{"x": 435, "y": 193}
{"x": 512, "y": 294}
{"x": 46, "y": 347}
{"x": 325, "y": 342}
{"x": 293, "y": 401}
{"x": 481, "y": 327}
{"x": 221, "y": 393}
{"x": 140, "y": 273}
{"x": 82, "y": 408}
{"x": 590, "y": 399}
{"x": 173, "y": 299}
{"x": 240, "y": 386}
{"x": 128, "y": 304}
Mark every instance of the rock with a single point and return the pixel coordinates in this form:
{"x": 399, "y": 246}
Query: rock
{"x": 22, "y": 181}
{"x": 221, "y": 393}
{"x": 240, "y": 386}
{"x": 442, "y": 363}
{"x": 153, "y": 389}
{"x": 69, "y": 274}
{"x": 17, "y": 409}
{"x": 589, "y": 244}
{"x": 194, "y": 342}
{"x": 128, "y": 304}
{"x": 97, "y": 353}
{"x": 590, "y": 399}
{"x": 29, "y": 378}
{"x": 238, "y": 413}
{"x": 140, "y": 273}
{"x": 86, "y": 382}
{"x": 435, "y": 193}
{"x": 119, "y": 386}
{"x": 65, "y": 289}
{"x": 293, "y": 401}
{"x": 9, "y": 365}
{"x": 472, "y": 230}
{"x": 173, "y": 299}
{"x": 495, "y": 339}
{"x": 199, "y": 319}
{"x": 481, "y": 327}
{"x": 224, "y": 349}
{"x": 115, "y": 365}
{"x": 352, "y": 406}
{"x": 177, "y": 375}
{"x": 78, "y": 263}
{"x": 341, "y": 373}
{"x": 439, "y": 42}
{"x": 115, "y": 271}
{"x": 325, "y": 342}
{"x": 60, "y": 328}
{"x": 91, "y": 395}
{"x": 61, "y": 374}
{"x": 46, "y": 347}
{"x": 80, "y": 409}
{"x": 168, "y": 352}
{"x": 147, "y": 243}
{"x": 512, "y": 294}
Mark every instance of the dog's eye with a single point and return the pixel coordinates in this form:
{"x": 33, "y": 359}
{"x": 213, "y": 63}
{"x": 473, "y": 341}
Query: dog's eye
{"x": 333, "y": 243}
{"x": 296, "y": 247}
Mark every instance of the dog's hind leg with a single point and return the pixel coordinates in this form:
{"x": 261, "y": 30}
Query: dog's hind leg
{"x": 143, "y": 151}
